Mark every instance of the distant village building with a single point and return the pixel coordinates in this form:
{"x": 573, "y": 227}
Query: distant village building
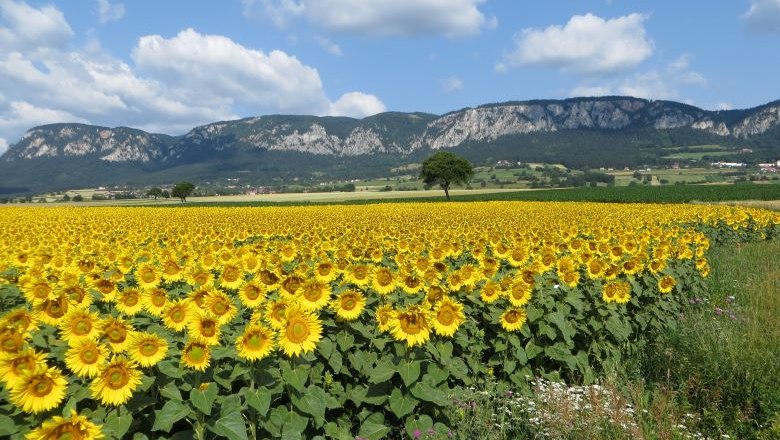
{"x": 728, "y": 164}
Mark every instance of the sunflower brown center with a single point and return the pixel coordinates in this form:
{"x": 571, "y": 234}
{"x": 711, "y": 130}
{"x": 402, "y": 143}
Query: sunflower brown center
{"x": 56, "y": 308}
{"x": 82, "y": 326}
{"x": 11, "y": 342}
{"x": 41, "y": 290}
{"x": 177, "y": 314}
{"x": 219, "y": 307}
{"x": 116, "y": 377}
{"x": 324, "y": 269}
{"x": 208, "y": 328}
{"x": 130, "y": 299}
{"x": 158, "y": 299}
{"x": 348, "y": 302}
{"x": 230, "y": 274}
{"x": 411, "y": 323}
{"x": 312, "y": 294}
{"x": 384, "y": 278}
{"x": 69, "y": 431}
{"x": 88, "y": 355}
{"x": 116, "y": 334}
{"x": 252, "y": 292}
{"x": 171, "y": 268}
{"x": 446, "y": 316}
{"x": 196, "y": 354}
{"x": 278, "y": 312}
{"x": 512, "y": 317}
{"x": 361, "y": 272}
{"x": 149, "y": 348}
{"x": 22, "y": 365}
{"x": 105, "y": 286}
{"x": 41, "y": 386}
{"x": 297, "y": 330}
{"x": 148, "y": 276}
{"x": 255, "y": 341}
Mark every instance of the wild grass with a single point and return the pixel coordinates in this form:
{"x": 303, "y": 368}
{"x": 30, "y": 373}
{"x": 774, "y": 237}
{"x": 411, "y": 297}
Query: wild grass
{"x": 717, "y": 376}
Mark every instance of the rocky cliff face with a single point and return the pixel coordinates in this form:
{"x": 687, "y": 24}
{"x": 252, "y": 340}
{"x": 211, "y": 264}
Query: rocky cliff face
{"x": 399, "y": 133}
{"x": 107, "y": 144}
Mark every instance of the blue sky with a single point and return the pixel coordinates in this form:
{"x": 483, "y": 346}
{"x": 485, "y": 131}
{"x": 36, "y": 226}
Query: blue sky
{"x": 169, "y": 65}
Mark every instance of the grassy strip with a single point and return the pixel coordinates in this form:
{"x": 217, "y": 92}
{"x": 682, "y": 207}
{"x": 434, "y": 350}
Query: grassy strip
{"x": 715, "y": 376}
{"x": 617, "y": 194}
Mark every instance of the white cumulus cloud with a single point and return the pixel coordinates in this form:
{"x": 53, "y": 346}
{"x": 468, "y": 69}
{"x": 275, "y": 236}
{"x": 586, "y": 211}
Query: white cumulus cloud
{"x": 171, "y": 85}
{"x": 452, "y": 84}
{"x": 378, "y": 17}
{"x": 652, "y": 84}
{"x": 110, "y": 11}
{"x": 356, "y": 105}
{"x": 29, "y": 28}
{"x": 763, "y": 16}
{"x": 587, "y": 44}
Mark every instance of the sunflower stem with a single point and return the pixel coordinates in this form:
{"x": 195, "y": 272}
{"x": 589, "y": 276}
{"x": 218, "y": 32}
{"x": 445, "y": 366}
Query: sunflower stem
{"x": 252, "y": 414}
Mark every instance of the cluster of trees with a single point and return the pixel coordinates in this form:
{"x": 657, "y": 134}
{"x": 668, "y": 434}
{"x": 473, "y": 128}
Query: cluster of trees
{"x": 181, "y": 190}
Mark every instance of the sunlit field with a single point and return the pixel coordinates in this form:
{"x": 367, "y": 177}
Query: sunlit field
{"x": 337, "y": 321}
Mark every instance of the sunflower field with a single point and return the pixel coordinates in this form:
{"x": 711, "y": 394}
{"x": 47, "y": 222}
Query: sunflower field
{"x": 332, "y": 322}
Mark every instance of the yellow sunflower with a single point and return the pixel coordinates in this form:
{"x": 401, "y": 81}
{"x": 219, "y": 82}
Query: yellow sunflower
{"x": 20, "y": 318}
{"x": 147, "y": 349}
{"x": 358, "y": 274}
{"x": 314, "y": 295}
{"x": 435, "y": 293}
{"x": 14, "y": 367}
{"x": 384, "y": 317}
{"x": 232, "y": 275}
{"x": 513, "y": 319}
{"x": 412, "y": 325}
{"x": 129, "y": 302}
{"x": 196, "y": 355}
{"x": 325, "y": 272}
{"x": 12, "y": 340}
{"x": 291, "y": 285}
{"x": 221, "y": 306}
{"x": 519, "y": 293}
{"x": 199, "y": 276}
{"x": 274, "y": 313}
{"x": 74, "y": 427}
{"x": 39, "y": 390}
{"x": 171, "y": 270}
{"x": 85, "y": 358}
{"x": 382, "y": 281}
{"x": 447, "y": 317}
{"x": 490, "y": 292}
{"x": 617, "y": 291}
{"x": 155, "y": 300}
{"x": 117, "y": 332}
{"x": 256, "y": 342}
{"x": 411, "y": 282}
{"x": 176, "y": 314}
{"x": 204, "y": 327}
{"x": 79, "y": 325}
{"x": 300, "y": 333}
{"x": 252, "y": 294}
{"x": 116, "y": 381}
{"x": 570, "y": 279}
{"x": 349, "y": 305}
{"x": 666, "y": 284}
{"x": 52, "y": 310}
{"x": 147, "y": 276}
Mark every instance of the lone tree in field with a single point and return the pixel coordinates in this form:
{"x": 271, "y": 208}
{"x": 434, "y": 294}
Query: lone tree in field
{"x": 182, "y": 190}
{"x": 445, "y": 168}
{"x": 154, "y": 192}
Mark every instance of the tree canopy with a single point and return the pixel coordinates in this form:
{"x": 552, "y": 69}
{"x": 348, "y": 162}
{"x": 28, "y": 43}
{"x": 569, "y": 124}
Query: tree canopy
{"x": 445, "y": 168}
{"x": 155, "y": 192}
{"x": 182, "y": 190}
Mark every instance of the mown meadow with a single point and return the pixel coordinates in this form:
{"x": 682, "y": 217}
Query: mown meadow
{"x": 413, "y": 320}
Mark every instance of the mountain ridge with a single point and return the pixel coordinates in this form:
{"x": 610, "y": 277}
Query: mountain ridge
{"x": 540, "y": 128}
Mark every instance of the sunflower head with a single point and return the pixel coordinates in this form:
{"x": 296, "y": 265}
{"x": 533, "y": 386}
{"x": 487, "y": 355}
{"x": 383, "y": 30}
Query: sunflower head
{"x": 412, "y": 324}
{"x": 176, "y": 314}
{"x": 349, "y": 305}
{"x": 384, "y": 317}
{"x": 256, "y": 342}
{"x": 314, "y": 295}
{"x": 39, "y": 390}
{"x": 300, "y": 333}
{"x": 447, "y": 317}
{"x": 14, "y": 367}
{"x": 252, "y": 294}
{"x": 85, "y": 358}
{"x": 196, "y": 355}
{"x": 116, "y": 381}
{"x": 147, "y": 349}
{"x": 75, "y": 427}
{"x": 78, "y": 325}
{"x": 512, "y": 320}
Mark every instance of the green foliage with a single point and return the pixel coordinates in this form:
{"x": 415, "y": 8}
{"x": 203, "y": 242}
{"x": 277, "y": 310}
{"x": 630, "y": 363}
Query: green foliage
{"x": 444, "y": 169}
{"x": 154, "y": 192}
{"x": 182, "y": 190}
